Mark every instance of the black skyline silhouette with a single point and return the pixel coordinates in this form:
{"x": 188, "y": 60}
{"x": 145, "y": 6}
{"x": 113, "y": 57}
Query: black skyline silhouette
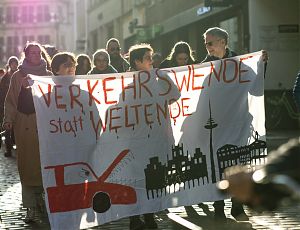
{"x": 183, "y": 168}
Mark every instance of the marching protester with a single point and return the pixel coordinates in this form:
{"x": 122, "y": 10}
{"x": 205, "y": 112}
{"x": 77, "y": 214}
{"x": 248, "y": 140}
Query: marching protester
{"x": 266, "y": 187}
{"x": 12, "y": 63}
{"x": 101, "y": 62}
{"x": 216, "y": 43}
{"x": 296, "y": 91}
{"x": 63, "y": 64}
{"x": 84, "y": 64}
{"x": 140, "y": 57}
{"x": 181, "y": 54}
{"x": 117, "y": 61}
{"x": 19, "y": 114}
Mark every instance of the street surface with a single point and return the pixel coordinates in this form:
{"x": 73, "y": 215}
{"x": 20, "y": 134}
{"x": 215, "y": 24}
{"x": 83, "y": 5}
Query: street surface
{"x": 195, "y": 217}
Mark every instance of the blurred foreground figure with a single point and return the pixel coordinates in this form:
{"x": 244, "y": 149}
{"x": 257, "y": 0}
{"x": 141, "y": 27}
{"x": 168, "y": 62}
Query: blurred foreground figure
{"x": 270, "y": 186}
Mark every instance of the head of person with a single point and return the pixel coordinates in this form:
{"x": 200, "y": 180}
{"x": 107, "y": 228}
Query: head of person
{"x": 63, "y": 63}
{"x": 157, "y": 59}
{"x": 101, "y": 59}
{"x": 216, "y": 41}
{"x": 84, "y": 64}
{"x": 51, "y": 50}
{"x": 33, "y": 53}
{"x": 13, "y": 63}
{"x": 113, "y": 48}
{"x": 181, "y": 54}
{"x": 140, "y": 57}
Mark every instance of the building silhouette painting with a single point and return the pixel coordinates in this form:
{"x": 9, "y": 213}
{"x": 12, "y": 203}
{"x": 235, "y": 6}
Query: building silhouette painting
{"x": 230, "y": 155}
{"x": 182, "y": 169}
{"x": 179, "y": 169}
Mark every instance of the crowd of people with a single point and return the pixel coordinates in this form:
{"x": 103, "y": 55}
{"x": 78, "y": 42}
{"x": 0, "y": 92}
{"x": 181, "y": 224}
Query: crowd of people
{"x": 18, "y": 113}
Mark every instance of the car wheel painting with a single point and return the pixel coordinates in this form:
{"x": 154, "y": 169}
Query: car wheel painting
{"x": 101, "y": 202}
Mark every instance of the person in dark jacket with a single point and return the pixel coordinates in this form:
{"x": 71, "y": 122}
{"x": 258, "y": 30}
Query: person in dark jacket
{"x": 181, "y": 54}
{"x": 12, "y": 64}
{"x": 101, "y": 61}
{"x": 117, "y": 61}
{"x": 84, "y": 64}
{"x": 216, "y": 43}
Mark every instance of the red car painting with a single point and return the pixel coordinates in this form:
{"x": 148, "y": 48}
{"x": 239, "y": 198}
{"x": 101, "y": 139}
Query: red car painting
{"x": 93, "y": 191}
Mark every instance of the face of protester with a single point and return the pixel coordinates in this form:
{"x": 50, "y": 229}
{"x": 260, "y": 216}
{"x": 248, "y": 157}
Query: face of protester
{"x": 215, "y": 46}
{"x": 113, "y": 50}
{"x": 68, "y": 68}
{"x": 146, "y": 63}
{"x": 13, "y": 66}
{"x": 101, "y": 63}
{"x": 182, "y": 59}
{"x": 34, "y": 55}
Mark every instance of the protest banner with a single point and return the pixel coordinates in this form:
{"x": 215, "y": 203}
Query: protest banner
{"x": 118, "y": 145}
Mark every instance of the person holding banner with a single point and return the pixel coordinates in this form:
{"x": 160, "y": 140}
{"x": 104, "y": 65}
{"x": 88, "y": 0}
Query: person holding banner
{"x": 19, "y": 114}
{"x": 140, "y": 57}
{"x": 117, "y": 61}
{"x": 180, "y": 55}
{"x": 216, "y": 43}
{"x": 101, "y": 62}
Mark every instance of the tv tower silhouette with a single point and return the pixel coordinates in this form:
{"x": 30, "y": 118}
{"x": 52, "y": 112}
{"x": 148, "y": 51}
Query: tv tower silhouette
{"x": 211, "y": 125}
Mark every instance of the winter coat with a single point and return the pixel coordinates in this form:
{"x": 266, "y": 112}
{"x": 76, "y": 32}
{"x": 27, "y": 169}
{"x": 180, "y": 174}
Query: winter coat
{"x": 25, "y": 129}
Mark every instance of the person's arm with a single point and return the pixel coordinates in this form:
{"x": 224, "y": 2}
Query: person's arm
{"x": 11, "y": 101}
{"x": 167, "y": 86}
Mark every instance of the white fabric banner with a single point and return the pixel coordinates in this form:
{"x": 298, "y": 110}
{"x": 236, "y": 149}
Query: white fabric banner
{"x": 118, "y": 145}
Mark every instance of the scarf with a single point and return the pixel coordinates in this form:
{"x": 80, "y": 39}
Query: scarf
{"x": 39, "y": 70}
{"x": 25, "y": 100}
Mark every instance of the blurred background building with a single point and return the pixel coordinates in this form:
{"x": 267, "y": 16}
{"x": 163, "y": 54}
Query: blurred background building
{"x": 83, "y": 26}
{"x": 45, "y": 21}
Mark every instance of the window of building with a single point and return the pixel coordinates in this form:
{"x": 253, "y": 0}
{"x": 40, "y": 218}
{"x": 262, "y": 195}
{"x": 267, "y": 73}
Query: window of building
{"x": 9, "y": 46}
{"x": 43, "y": 13}
{"x": 27, "y": 14}
{"x": 24, "y": 14}
{"x": 9, "y": 14}
{"x": 1, "y": 15}
{"x": 231, "y": 26}
{"x": 15, "y": 14}
{"x": 31, "y": 18}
